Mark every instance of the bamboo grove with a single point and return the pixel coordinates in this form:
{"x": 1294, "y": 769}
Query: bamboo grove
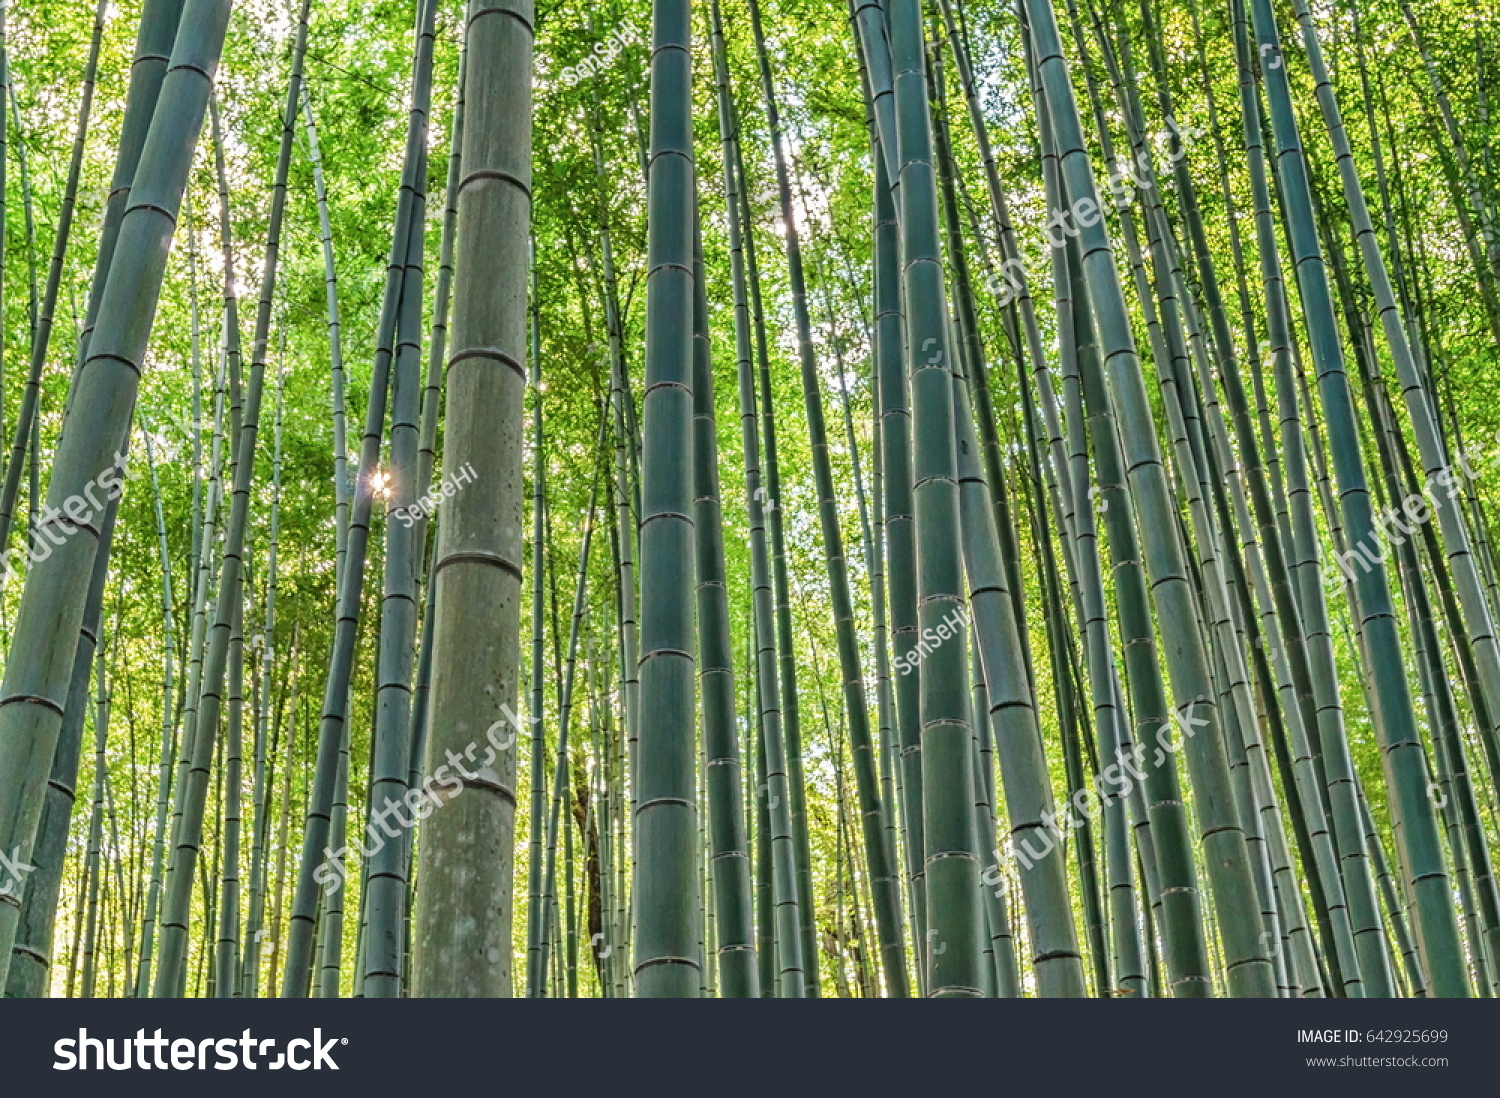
{"x": 749, "y": 498}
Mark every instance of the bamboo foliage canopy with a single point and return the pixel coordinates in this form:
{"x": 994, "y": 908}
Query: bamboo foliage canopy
{"x": 966, "y": 498}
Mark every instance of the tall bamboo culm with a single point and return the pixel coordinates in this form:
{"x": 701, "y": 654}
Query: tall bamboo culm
{"x": 463, "y": 912}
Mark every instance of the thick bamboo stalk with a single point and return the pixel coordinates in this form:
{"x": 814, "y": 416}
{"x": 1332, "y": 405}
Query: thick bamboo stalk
{"x": 52, "y": 602}
{"x": 780, "y": 945}
{"x": 1405, "y": 777}
{"x": 1250, "y": 972}
{"x": 463, "y": 916}
{"x": 951, "y": 946}
{"x": 666, "y": 888}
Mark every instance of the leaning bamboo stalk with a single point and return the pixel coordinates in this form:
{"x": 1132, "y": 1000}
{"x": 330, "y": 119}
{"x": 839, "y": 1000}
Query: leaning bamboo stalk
{"x": 52, "y": 602}
{"x": 1468, "y": 844}
{"x": 626, "y": 525}
{"x": 1279, "y": 555}
{"x": 1180, "y": 340}
{"x": 1479, "y": 626}
{"x": 1009, "y": 703}
{"x": 227, "y": 411}
{"x": 313, "y": 870}
{"x": 1180, "y": 328}
{"x": 812, "y": 398}
{"x": 878, "y": 857}
{"x": 1317, "y": 657}
{"x": 784, "y": 949}
{"x": 158, "y": 26}
{"x": 1010, "y": 709}
{"x": 42, "y": 334}
{"x": 432, "y": 389}
{"x": 260, "y": 818}
{"x": 386, "y": 870}
{"x": 229, "y": 602}
{"x": 1250, "y": 971}
{"x": 1395, "y": 724}
{"x": 971, "y": 361}
{"x": 206, "y": 561}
